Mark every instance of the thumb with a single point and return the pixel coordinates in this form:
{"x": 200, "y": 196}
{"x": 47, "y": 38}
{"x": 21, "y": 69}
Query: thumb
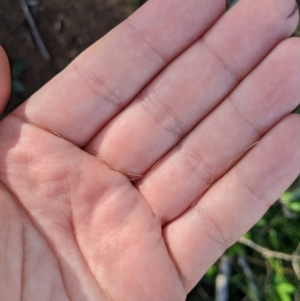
{"x": 5, "y": 81}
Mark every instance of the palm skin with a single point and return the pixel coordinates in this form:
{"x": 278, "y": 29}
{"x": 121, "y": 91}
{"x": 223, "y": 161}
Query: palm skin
{"x": 103, "y": 180}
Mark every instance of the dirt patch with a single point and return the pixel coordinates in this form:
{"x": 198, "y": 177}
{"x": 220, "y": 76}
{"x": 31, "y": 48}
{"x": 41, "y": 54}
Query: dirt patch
{"x": 66, "y": 27}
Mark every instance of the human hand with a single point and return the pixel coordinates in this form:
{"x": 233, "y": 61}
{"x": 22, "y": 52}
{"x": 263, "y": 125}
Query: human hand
{"x": 107, "y": 171}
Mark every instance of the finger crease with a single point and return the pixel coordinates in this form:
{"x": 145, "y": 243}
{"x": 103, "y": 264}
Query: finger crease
{"x": 142, "y": 36}
{"x": 177, "y": 127}
{"x": 212, "y": 229}
{"x": 255, "y": 192}
{"x": 197, "y": 164}
{"x": 239, "y": 111}
{"x": 96, "y": 84}
{"x": 234, "y": 73}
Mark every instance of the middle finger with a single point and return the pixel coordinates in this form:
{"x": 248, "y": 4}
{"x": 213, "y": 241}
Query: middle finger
{"x": 268, "y": 94}
{"x": 193, "y": 85}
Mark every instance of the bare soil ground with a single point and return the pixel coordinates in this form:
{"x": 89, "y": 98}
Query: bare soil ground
{"x": 66, "y": 27}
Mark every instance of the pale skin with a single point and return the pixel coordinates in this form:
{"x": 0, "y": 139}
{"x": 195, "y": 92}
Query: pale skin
{"x": 129, "y": 174}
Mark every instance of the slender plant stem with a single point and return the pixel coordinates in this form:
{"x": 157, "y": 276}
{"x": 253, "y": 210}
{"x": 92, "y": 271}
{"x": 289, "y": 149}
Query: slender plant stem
{"x": 34, "y": 31}
{"x": 249, "y": 276}
{"x": 222, "y": 280}
{"x": 266, "y": 252}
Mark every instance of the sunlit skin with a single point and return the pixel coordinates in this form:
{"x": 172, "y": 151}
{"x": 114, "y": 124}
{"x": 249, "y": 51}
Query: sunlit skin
{"x": 128, "y": 175}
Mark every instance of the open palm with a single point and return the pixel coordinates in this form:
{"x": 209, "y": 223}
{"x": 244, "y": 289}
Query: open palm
{"x": 131, "y": 172}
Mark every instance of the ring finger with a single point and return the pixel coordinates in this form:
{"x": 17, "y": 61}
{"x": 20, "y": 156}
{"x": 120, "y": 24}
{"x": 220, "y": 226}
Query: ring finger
{"x": 193, "y": 85}
{"x": 268, "y": 94}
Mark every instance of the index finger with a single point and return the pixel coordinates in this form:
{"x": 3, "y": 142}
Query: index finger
{"x": 106, "y": 77}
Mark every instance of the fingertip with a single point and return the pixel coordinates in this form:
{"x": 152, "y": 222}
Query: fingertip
{"x": 5, "y": 81}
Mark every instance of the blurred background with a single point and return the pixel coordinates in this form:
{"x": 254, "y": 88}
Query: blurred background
{"x": 265, "y": 263}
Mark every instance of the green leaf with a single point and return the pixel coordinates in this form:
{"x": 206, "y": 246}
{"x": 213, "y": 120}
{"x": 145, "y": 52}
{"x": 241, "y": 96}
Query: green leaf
{"x": 286, "y": 197}
{"x": 295, "y": 195}
{"x": 295, "y": 207}
{"x": 17, "y": 87}
{"x": 274, "y": 239}
{"x": 234, "y": 250}
{"x": 212, "y": 271}
{"x": 247, "y": 235}
{"x": 261, "y": 223}
{"x": 291, "y": 199}
{"x": 18, "y": 68}
{"x": 284, "y": 291}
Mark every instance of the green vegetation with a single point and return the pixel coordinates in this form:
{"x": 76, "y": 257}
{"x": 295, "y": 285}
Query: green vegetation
{"x": 17, "y": 69}
{"x": 270, "y": 268}
{"x": 260, "y": 273}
